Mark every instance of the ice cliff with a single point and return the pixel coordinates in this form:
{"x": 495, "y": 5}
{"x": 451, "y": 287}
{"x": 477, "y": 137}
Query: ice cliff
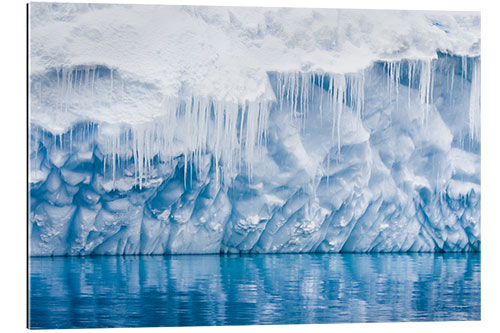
{"x": 164, "y": 129}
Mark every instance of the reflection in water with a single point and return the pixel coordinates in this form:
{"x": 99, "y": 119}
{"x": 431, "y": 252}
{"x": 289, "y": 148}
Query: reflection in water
{"x": 199, "y": 290}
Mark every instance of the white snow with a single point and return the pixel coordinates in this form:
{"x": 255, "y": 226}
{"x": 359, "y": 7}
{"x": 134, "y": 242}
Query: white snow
{"x": 219, "y": 53}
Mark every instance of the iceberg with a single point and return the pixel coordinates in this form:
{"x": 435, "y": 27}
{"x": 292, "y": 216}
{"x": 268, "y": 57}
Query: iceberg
{"x": 252, "y": 130}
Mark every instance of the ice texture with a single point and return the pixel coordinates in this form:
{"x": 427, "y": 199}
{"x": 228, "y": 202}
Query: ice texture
{"x": 247, "y": 130}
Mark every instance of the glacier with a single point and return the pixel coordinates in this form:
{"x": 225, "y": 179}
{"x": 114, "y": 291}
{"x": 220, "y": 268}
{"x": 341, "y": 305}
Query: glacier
{"x": 252, "y": 130}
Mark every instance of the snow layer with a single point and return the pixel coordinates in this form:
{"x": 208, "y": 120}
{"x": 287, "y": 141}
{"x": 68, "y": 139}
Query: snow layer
{"x": 148, "y": 53}
{"x": 163, "y": 129}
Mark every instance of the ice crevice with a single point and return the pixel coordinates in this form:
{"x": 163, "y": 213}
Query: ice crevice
{"x": 373, "y": 160}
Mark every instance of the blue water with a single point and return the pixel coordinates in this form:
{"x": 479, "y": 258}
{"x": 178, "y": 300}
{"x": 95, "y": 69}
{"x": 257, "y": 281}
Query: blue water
{"x": 131, "y": 291}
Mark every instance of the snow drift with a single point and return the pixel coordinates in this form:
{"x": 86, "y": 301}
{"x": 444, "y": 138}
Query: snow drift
{"x": 164, "y": 129}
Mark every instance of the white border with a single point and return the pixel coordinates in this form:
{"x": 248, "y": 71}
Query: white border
{"x": 13, "y": 165}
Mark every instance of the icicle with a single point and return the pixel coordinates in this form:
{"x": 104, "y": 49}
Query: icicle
{"x": 393, "y": 79}
{"x": 410, "y": 80}
{"x": 388, "y": 78}
{"x": 464, "y": 67}
{"x": 81, "y": 81}
{"x": 230, "y": 132}
{"x": 475, "y": 102}
{"x": 104, "y": 166}
{"x": 355, "y": 84}
{"x": 231, "y": 136}
{"x": 297, "y": 90}
{"x": 242, "y": 120}
{"x": 295, "y": 94}
{"x": 361, "y": 95}
{"x": 140, "y": 156}
{"x": 425, "y": 87}
{"x": 92, "y": 81}
{"x": 452, "y": 83}
{"x": 398, "y": 78}
{"x": 339, "y": 95}
{"x": 321, "y": 99}
{"x": 113, "y": 159}
{"x": 281, "y": 90}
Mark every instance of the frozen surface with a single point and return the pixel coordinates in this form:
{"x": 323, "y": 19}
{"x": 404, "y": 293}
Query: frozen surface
{"x": 205, "y": 130}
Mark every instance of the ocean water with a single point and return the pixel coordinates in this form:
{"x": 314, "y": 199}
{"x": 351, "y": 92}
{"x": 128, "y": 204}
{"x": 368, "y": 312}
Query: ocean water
{"x": 198, "y": 290}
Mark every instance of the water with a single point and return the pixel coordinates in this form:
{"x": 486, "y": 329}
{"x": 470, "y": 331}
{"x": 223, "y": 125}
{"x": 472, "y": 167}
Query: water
{"x": 131, "y": 291}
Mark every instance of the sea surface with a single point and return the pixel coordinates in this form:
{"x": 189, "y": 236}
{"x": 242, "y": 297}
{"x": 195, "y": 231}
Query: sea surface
{"x": 198, "y": 290}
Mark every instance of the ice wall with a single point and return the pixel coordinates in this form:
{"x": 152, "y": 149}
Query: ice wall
{"x": 386, "y": 159}
{"x": 380, "y": 156}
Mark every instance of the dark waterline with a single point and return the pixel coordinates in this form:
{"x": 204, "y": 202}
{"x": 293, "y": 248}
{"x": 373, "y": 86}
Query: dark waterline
{"x": 198, "y": 290}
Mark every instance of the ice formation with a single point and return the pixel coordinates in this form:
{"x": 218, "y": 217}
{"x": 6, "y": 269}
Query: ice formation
{"x": 252, "y": 130}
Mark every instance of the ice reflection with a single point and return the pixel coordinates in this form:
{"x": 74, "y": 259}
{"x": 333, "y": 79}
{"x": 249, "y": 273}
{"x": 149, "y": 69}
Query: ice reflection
{"x": 184, "y": 290}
